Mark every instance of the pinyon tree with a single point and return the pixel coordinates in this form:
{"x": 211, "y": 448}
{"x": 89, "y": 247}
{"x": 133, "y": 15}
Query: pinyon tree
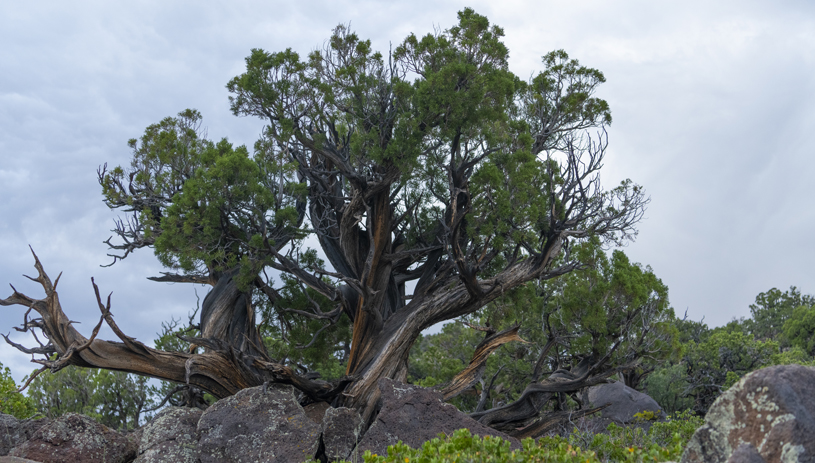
{"x": 432, "y": 178}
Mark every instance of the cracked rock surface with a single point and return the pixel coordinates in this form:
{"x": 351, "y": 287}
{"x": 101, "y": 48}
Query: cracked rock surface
{"x": 171, "y": 436}
{"x": 257, "y": 425}
{"x": 76, "y": 438}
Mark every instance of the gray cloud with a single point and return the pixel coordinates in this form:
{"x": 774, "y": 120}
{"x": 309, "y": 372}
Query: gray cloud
{"x": 711, "y": 104}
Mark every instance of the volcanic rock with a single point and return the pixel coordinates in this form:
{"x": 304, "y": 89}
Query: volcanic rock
{"x": 76, "y": 438}
{"x": 172, "y": 436}
{"x": 414, "y": 415}
{"x": 259, "y": 424}
{"x": 769, "y": 414}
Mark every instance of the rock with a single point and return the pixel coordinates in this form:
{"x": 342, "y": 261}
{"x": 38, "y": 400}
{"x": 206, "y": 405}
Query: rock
{"x": 415, "y": 415}
{"x": 14, "y": 432}
{"x": 172, "y": 436}
{"x": 10, "y": 459}
{"x": 258, "y": 425}
{"x": 625, "y": 402}
{"x": 9, "y": 433}
{"x": 316, "y": 411}
{"x": 746, "y": 453}
{"x": 341, "y": 429}
{"x": 770, "y": 410}
{"x": 75, "y": 438}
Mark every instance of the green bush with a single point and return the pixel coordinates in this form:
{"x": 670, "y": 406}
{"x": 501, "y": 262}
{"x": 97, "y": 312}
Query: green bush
{"x": 462, "y": 447}
{"x": 664, "y": 441}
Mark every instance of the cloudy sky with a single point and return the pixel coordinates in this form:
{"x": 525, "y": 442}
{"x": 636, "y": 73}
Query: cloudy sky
{"x": 712, "y": 103}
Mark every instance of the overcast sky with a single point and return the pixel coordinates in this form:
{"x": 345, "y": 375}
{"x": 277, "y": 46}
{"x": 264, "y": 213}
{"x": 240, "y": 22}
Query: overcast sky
{"x": 713, "y": 106}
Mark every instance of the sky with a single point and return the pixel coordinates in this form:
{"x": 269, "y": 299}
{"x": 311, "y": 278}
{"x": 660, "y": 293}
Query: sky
{"x": 712, "y": 105}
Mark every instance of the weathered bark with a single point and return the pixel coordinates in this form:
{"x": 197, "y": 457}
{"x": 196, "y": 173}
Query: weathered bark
{"x": 221, "y": 369}
{"x": 550, "y": 421}
{"x": 473, "y": 372}
{"x": 228, "y": 316}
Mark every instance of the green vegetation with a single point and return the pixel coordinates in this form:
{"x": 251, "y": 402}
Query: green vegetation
{"x": 611, "y": 309}
{"x": 779, "y": 332}
{"x": 664, "y": 441}
{"x": 113, "y": 398}
{"x": 12, "y": 402}
{"x": 440, "y": 187}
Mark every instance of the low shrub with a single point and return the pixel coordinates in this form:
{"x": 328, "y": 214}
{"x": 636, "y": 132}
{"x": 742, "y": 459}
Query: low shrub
{"x": 664, "y": 441}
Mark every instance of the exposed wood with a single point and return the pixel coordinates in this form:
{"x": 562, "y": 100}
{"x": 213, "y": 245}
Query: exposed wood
{"x": 473, "y": 372}
{"x": 221, "y": 370}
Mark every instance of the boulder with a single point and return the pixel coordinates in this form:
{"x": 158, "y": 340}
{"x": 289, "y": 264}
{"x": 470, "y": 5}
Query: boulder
{"x": 264, "y": 424}
{"x": 625, "y": 402}
{"x": 316, "y": 411}
{"x": 769, "y": 415}
{"x": 10, "y": 459}
{"x": 14, "y": 431}
{"x": 172, "y": 436}
{"x": 9, "y": 433}
{"x": 341, "y": 429}
{"x": 75, "y": 438}
{"x": 414, "y": 415}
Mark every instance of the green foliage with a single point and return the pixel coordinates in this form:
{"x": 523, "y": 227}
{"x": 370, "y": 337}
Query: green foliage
{"x": 664, "y": 441}
{"x": 773, "y": 308}
{"x": 610, "y": 304}
{"x": 799, "y": 329}
{"x": 463, "y": 447}
{"x": 12, "y": 402}
{"x": 113, "y": 398}
{"x": 668, "y": 385}
{"x": 436, "y": 358}
{"x": 200, "y": 203}
{"x": 717, "y": 363}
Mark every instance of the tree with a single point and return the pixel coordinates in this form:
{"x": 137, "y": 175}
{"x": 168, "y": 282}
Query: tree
{"x": 114, "y": 398}
{"x": 433, "y": 179}
{"x": 12, "y": 402}
{"x": 720, "y": 361}
{"x": 773, "y": 308}
{"x": 610, "y": 309}
{"x": 799, "y": 329}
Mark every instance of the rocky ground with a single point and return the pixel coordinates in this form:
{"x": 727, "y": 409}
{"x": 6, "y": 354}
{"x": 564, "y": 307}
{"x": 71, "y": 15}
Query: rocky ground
{"x": 769, "y": 416}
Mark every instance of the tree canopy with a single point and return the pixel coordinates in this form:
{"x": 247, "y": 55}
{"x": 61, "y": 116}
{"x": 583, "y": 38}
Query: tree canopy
{"x": 387, "y": 193}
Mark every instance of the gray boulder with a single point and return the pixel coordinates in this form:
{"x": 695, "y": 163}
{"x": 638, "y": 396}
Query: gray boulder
{"x": 769, "y": 415}
{"x": 625, "y": 402}
{"x": 414, "y": 415}
{"x": 172, "y": 436}
{"x": 259, "y": 424}
{"x": 76, "y": 438}
{"x": 9, "y": 433}
{"x": 341, "y": 429}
